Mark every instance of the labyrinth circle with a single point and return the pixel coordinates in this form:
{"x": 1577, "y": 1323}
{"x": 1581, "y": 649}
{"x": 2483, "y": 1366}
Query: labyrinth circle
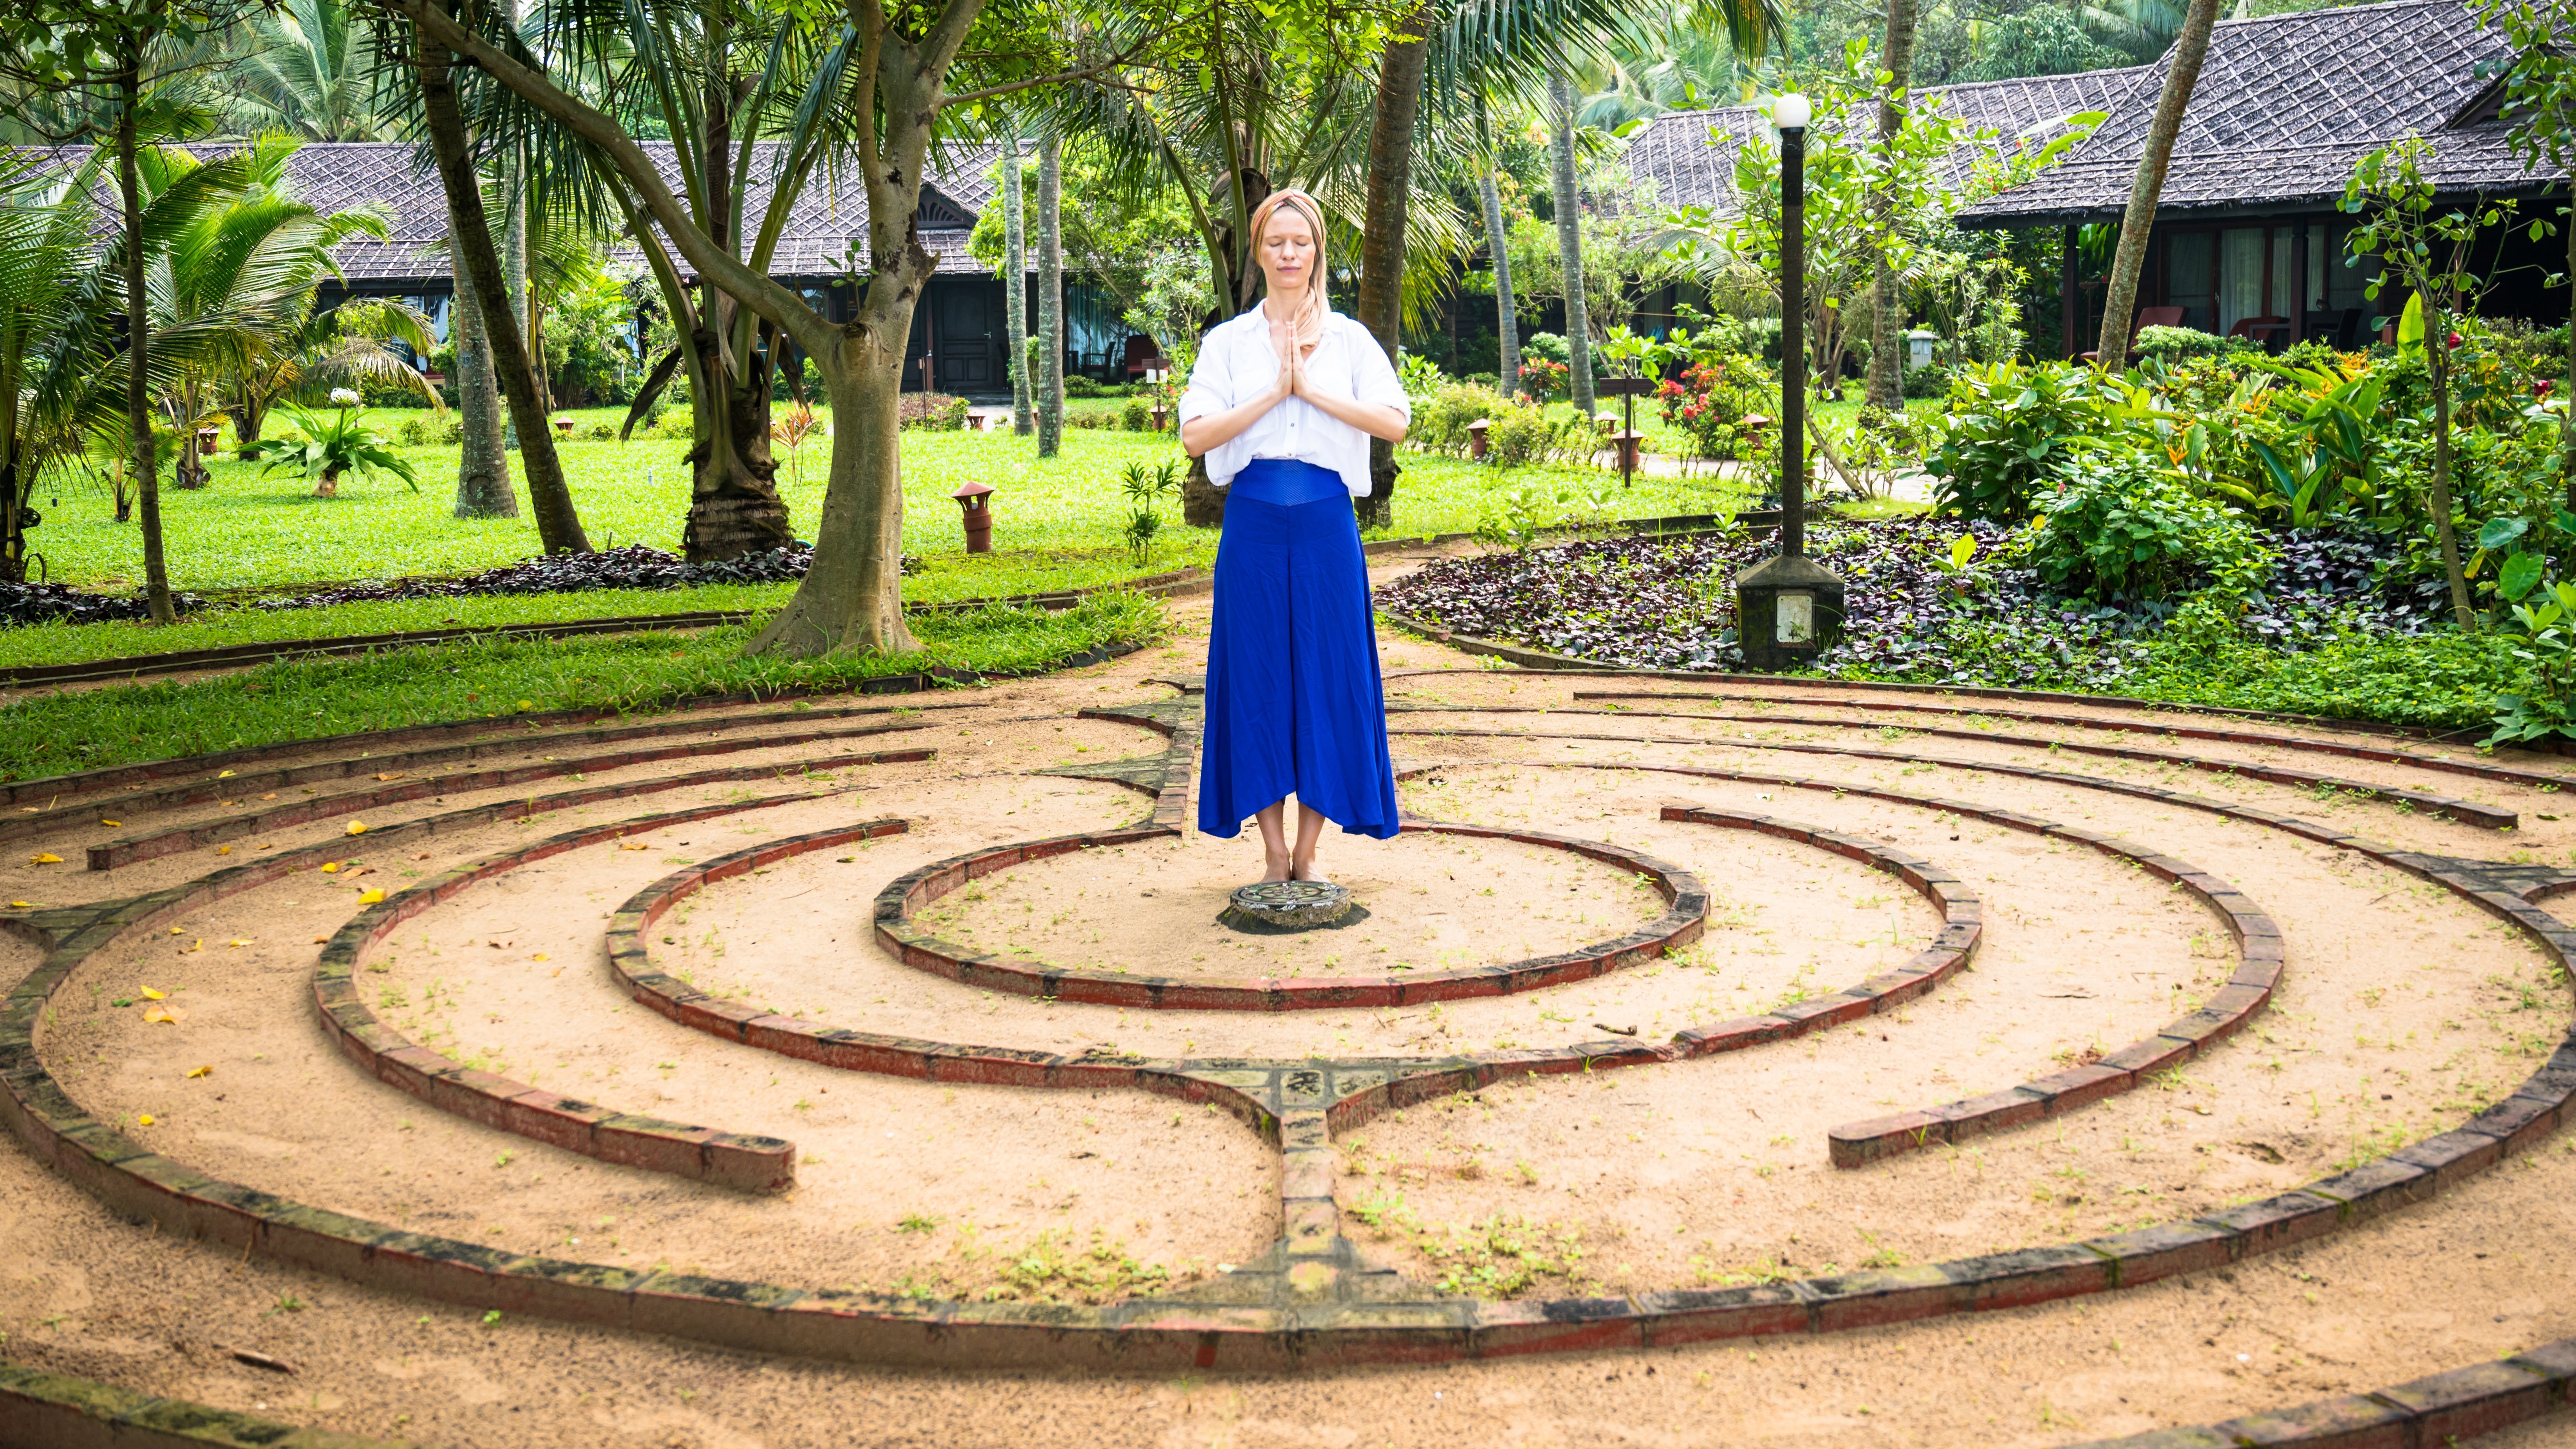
{"x": 1848, "y": 1064}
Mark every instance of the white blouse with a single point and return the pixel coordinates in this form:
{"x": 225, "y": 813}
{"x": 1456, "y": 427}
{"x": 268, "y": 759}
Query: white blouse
{"x": 1236, "y": 362}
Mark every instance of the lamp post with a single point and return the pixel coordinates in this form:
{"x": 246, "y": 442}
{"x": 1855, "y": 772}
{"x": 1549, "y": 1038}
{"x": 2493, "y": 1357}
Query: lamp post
{"x": 1787, "y": 608}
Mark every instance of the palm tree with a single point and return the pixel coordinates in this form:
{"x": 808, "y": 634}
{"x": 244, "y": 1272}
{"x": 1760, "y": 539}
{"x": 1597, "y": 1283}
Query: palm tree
{"x": 347, "y": 345}
{"x": 1507, "y": 325}
{"x": 2182, "y": 73}
{"x": 1015, "y": 279}
{"x": 1050, "y": 290}
{"x": 54, "y": 342}
{"x": 1887, "y": 301}
{"x": 1569, "y": 239}
{"x": 242, "y": 273}
{"x": 308, "y": 72}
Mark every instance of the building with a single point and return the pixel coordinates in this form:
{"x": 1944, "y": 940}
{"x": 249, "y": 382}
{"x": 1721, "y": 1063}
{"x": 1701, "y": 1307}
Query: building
{"x": 2247, "y": 236}
{"x": 960, "y": 328}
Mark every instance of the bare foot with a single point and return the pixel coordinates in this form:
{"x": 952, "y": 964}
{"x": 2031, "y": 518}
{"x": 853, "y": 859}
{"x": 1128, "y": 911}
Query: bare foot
{"x": 1276, "y": 867}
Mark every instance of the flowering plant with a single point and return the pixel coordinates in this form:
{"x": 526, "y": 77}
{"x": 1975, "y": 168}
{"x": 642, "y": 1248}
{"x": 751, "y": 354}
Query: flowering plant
{"x": 329, "y": 447}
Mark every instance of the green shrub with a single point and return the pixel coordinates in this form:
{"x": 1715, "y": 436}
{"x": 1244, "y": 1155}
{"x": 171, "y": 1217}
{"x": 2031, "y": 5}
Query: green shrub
{"x": 603, "y": 430}
{"x": 1440, "y": 420}
{"x": 2168, "y": 343}
{"x": 1136, "y": 417}
{"x": 2118, "y": 528}
{"x": 2008, "y": 428}
{"x": 1524, "y": 435}
{"x": 934, "y": 410}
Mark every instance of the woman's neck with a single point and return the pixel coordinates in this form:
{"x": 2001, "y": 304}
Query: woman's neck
{"x": 1281, "y": 306}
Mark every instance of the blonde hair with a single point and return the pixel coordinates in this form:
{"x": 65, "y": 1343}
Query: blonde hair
{"x": 1309, "y": 321}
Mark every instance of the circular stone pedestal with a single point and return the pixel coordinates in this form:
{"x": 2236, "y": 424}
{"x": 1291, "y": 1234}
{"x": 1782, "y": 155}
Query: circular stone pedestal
{"x": 1276, "y": 907}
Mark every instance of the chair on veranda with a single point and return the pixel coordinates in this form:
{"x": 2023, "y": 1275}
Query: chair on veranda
{"x": 2147, "y": 317}
{"x": 2340, "y": 329}
{"x": 2270, "y": 331}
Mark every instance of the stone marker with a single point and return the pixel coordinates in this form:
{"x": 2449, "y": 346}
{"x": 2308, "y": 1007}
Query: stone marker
{"x": 1274, "y": 906}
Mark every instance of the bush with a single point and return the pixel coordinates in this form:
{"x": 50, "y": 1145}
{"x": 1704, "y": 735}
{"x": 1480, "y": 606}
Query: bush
{"x": 378, "y": 392}
{"x": 2169, "y": 343}
{"x": 1929, "y": 380}
{"x": 1136, "y": 417}
{"x": 2008, "y": 428}
{"x": 1440, "y": 421}
{"x": 1714, "y": 395}
{"x": 2122, "y": 529}
{"x": 414, "y": 433}
{"x": 603, "y": 431}
{"x": 1524, "y": 435}
{"x": 936, "y": 411}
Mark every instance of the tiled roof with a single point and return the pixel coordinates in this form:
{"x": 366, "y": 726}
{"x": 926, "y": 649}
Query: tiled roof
{"x": 1690, "y": 155}
{"x": 2284, "y": 105}
{"x": 831, "y": 210}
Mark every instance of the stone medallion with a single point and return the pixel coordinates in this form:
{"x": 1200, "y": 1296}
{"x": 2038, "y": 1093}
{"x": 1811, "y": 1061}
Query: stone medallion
{"x": 1272, "y": 907}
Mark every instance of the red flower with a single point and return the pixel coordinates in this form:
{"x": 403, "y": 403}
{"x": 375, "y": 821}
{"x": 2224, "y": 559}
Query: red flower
{"x": 2541, "y": 388}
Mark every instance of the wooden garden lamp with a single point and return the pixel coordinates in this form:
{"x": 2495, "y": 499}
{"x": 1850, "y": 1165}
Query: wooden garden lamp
{"x": 976, "y": 502}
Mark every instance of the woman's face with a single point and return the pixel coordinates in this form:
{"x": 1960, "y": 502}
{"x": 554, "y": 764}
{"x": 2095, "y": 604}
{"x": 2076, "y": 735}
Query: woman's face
{"x": 1287, "y": 250}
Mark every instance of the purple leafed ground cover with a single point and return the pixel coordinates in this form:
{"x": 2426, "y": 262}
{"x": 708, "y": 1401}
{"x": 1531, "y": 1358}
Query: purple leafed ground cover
{"x": 1647, "y": 603}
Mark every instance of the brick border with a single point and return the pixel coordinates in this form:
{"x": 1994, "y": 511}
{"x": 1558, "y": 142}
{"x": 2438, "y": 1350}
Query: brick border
{"x": 2424, "y": 1413}
{"x": 40, "y": 1409}
{"x": 2501, "y": 774}
{"x": 153, "y": 844}
{"x": 1157, "y": 1336}
{"x": 743, "y": 1161}
{"x": 76, "y": 784}
{"x": 2261, "y": 956}
{"x": 1538, "y": 663}
{"x": 1685, "y": 900}
{"x": 1953, "y": 946}
{"x": 2464, "y": 811}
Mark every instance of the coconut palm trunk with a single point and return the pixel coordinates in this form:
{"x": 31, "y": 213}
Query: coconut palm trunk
{"x": 1015, "y": 284}
{"x": 558, "y": 524}
{"x": 1050, "y": 292}
{"x": 138, "y": 400}
{"x": 1569, "y": 241}
{"x": 1887, "y": 312}
{"x": 1389, "y": 186}
{"x": 2190, "y": 48}
{"x": 483, "y": 468}
{"x": 1506, "y": 322}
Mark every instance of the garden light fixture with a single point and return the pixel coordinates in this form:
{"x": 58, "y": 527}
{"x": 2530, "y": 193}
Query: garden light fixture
{"x": 975, "y": 501}
{"x": 1788, "y": 608}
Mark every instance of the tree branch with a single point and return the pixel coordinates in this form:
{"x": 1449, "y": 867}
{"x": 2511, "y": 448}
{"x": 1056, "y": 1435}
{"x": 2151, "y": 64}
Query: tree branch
{"x": 1088, "y": 72}
{"x": 769, "y": 298}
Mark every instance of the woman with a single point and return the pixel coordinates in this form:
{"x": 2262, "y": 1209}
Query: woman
{"x": 1282, "y": 404}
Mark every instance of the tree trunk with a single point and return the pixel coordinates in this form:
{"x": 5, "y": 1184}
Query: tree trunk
{"x": 2120, "y": 298}
{"x": 1506, "y": 323}
{"x": 734, "y": 507}
{"x": 1389, "y": 187}
{"x": 558, "y": 524}
{"x": 248, "y": 419}
{"x": 1886, "y": 354}
{"x": 1015, "y": 284}
{"x": 1569, "y": 242}
{"x": 2437, "y": 363}
{"x": 1050, "y": 292}
{"x": 483, "y": 468}
{"x": 2567, "y": 419}
{"x": 852, "y": 597}
{"x": 138, "y": 403}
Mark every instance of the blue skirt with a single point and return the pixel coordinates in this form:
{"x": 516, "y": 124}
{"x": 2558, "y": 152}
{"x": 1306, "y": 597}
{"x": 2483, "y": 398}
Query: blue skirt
{"x": 1294, "y": 705}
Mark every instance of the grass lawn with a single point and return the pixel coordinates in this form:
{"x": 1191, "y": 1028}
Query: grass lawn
{"x": 1056, "y": 521}
{"x": 299, "y": 699}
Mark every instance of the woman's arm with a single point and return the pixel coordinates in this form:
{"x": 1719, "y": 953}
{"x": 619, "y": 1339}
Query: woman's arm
{"x": 1374, "y": 380}
{"x": 1375, "y": 419}
{"x": 1212, "y": 430}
